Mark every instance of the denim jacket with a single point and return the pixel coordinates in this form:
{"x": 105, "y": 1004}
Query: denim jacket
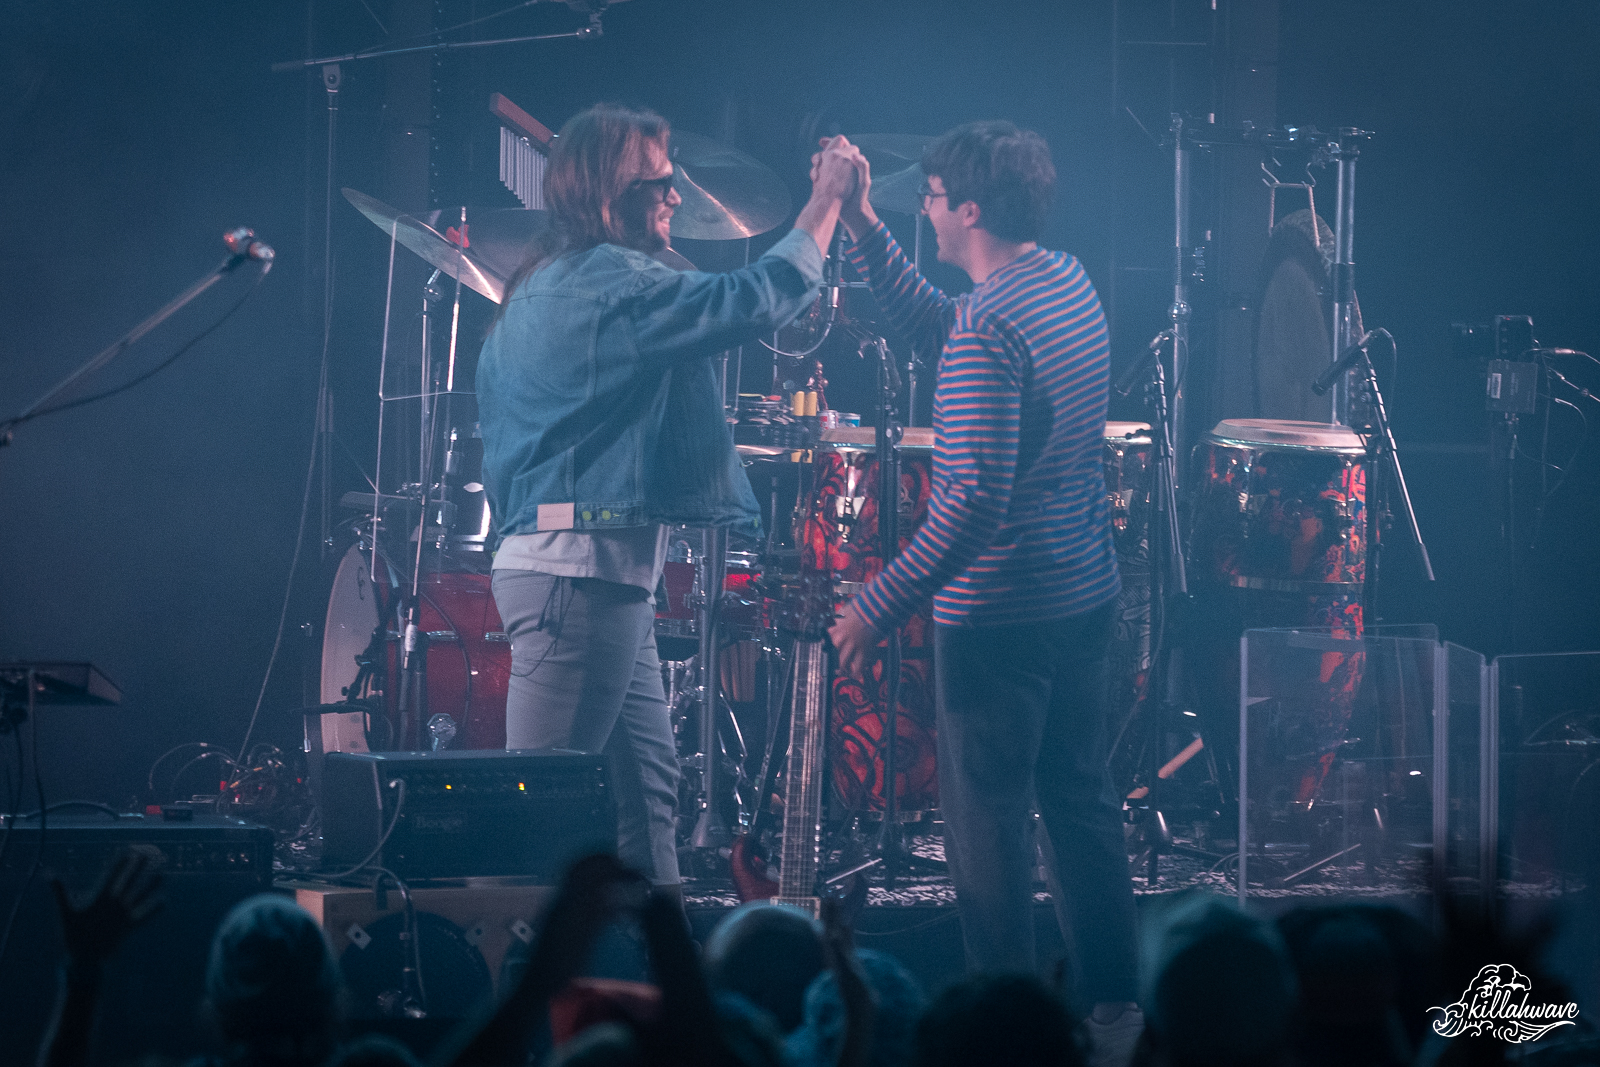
{"x": 597, "y": 397}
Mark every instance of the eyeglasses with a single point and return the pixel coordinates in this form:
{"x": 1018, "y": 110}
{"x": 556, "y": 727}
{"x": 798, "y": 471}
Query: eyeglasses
{"x": 662, "y": 185}
{"x": 926, "y": 193}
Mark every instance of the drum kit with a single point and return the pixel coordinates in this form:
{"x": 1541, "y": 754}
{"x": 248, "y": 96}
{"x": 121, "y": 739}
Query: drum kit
{"x": 412, "y": 635}
{"x": 413, "y": 641}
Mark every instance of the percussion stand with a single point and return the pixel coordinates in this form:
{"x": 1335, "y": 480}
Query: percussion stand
{"x": 1167, "y": 576}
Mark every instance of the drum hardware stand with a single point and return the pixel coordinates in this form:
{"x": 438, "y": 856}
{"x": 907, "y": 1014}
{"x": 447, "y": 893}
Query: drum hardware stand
{"x": 1346, "y": 150}
{"x": 412, "y": 703}
{"x": 893, "y": 854}
{"x": 1179, "y": 312}
{"x": 1167, "y": 578}
{"x": 710, "y": 829}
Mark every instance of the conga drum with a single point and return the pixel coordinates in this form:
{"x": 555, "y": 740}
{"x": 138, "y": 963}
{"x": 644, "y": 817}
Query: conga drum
{"x": 841, "y": 536}
{"x": 1278, "y": 540}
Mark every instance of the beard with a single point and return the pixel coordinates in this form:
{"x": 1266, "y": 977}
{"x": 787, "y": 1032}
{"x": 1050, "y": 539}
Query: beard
{"x": 636, "y": 228}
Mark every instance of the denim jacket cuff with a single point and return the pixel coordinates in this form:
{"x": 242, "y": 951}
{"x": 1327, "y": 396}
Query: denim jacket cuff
{"x": 801, "y": 252}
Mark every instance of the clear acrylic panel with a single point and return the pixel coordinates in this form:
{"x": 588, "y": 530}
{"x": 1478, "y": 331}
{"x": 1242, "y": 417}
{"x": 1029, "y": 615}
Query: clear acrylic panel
{"x": 1337, "y": 768}
{"x": 1546, "y": 725}
{"x": 1459, "y": 724}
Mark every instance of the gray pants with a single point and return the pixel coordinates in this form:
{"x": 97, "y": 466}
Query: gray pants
{"x": 585, "y": 676}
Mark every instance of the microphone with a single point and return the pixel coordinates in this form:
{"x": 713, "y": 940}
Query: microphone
{"x": 1125, "y": 383}
{"x": 1347, "y": 359}
{"x": 833, "y": 269}
{"x": 242, "y": 243}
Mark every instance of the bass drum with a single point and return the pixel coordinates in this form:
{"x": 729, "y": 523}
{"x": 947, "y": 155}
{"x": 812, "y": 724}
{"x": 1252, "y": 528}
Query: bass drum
{"x": 468, "y": 657}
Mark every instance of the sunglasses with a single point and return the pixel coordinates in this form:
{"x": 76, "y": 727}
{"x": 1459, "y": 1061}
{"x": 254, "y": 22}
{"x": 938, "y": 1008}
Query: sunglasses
{"x": 662, "y": 185}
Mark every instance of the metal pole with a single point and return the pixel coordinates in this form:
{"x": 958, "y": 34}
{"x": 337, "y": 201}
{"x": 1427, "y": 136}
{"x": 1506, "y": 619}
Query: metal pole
{"x": 1344, "y": 266}
{"x": 1178, "y": 313}
{"x": 709, "y": 830}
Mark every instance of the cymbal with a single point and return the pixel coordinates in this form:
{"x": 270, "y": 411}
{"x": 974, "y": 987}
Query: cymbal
{"x": 500, "y": 239}
{"x": 896, "y": 161}
{"x": 428, "y": 243}
{"x": 727, "y": 195}
{"x": 672, "y": 258}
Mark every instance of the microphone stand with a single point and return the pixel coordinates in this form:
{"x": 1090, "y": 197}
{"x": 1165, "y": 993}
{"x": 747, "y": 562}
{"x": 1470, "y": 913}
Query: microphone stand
{"x": 1167, "y": 576}
{"x": 886, "y": 442}
{"x": 1382, "y": 459}
{"x": 122, "y": 344}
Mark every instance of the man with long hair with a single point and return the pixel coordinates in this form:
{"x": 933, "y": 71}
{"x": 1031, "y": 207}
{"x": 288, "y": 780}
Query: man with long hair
{"x": 1015, "y": 553}
{"x": 602, "y": 421}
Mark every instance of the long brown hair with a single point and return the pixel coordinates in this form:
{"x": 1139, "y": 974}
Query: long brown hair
{"x": 594, "y": 160}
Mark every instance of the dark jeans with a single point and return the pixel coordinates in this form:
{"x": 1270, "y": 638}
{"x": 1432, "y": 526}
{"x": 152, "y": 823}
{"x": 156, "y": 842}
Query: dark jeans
{"x": 585, "y": 676}
{"x": 1021, "y": 714}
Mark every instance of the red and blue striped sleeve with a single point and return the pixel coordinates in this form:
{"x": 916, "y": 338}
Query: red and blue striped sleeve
{"x": 977, "y": 424}
{"x": 913, "y": 305}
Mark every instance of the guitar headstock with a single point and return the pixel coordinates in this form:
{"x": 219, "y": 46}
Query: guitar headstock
{"x": 806, "y": 607}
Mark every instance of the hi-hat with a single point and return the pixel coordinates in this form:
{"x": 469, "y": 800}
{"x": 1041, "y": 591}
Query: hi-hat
{"x": 727, "y": 195}
{"x": 896, "y": 162}
{"x": 428, "y": 243}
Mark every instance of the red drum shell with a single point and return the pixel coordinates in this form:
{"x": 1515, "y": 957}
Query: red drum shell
{"x": 1279, "y": 515}
{"x": 846, "y": 503}
{"x": 469, "y": 655}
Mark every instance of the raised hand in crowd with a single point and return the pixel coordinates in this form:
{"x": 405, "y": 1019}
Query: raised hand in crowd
{"x": 128, "y": 894}
{"x": 588, "y": 898}
{"x": 860, "y": 1005}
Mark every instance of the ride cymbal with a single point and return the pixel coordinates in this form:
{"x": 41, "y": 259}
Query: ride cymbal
{"x": 727, "y": 195}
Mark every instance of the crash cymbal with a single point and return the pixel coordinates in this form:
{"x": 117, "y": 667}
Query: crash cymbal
{"x": 896, "y": 161}
{"x": 891, "y": 151}
{"x": 673, "y": 259}
{"x": 501, "y": 239}
{"x": 428, "y": 243}
{"x": 727, "y": 195}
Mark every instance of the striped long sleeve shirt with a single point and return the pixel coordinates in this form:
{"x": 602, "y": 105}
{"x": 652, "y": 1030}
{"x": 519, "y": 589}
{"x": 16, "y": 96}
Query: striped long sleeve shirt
{"x": 1018, "y": 527}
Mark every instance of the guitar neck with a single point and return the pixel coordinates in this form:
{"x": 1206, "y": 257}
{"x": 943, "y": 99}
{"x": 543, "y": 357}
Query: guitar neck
{"x": 802, "y": 791}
